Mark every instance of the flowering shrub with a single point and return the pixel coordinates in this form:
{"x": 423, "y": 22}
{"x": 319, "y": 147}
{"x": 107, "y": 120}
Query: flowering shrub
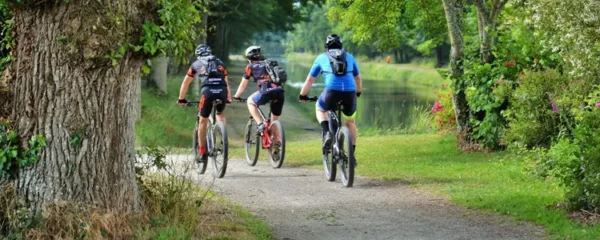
{"x": 443, "y": 111}
{"x": 533, "y": 115}
{"x": 575, "y": 159}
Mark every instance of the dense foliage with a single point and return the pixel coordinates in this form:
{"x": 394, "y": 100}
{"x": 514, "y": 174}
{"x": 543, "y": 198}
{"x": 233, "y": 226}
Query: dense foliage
{"x": 405, "y": 34}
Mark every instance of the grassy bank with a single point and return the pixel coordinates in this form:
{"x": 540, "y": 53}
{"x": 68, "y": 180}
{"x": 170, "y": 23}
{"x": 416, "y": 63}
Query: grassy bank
{"x": 423, "y": 74}
{"x": 477, "y": 180}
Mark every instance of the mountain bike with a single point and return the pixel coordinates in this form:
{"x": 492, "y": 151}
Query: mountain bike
{"x": 216, "y": 143}
{"x": 340, "y": 152}
{"x": 272, "y": 139}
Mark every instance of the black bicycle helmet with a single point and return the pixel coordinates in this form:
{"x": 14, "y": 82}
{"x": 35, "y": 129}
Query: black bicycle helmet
{"x": 202, "y": 50}
{"x": 253, "y": 53}
{"x": 333, "y": 42}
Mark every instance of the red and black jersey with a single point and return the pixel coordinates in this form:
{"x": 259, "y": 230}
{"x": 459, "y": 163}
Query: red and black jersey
{"x": 208, "y": 76}
{"x": 256, "y": 70}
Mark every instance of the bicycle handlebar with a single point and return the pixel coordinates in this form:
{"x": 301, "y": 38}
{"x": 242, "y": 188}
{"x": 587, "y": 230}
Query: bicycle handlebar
{"x": 313, "y": 99}
{"x": 241, "y": 100}
{"x": 216, "y": 102}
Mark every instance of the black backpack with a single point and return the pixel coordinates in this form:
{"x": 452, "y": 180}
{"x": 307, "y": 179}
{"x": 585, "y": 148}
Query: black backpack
{"x": 277, "y": 73}
{"x": 339, "y": 65}
{"x": 214, "y": 75}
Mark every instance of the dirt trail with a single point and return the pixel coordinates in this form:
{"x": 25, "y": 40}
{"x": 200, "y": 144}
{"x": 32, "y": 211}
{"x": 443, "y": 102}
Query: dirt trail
{"x": 300, "y": 204}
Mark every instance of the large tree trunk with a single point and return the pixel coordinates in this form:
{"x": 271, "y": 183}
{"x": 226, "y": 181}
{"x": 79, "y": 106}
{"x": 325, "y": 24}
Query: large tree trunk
{"x": 66, "y": 90}
{"x": 454, "y": 13}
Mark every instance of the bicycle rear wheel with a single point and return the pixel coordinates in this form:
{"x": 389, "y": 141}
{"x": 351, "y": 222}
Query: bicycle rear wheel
{"x": 220, "y": 149}
{"x": 251, "y": 143}
{"x": 347, "y": 162}
{"x": 200, "y": 166}
{"x": 277, "y": 149}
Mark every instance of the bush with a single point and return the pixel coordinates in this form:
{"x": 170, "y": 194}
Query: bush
{"x": 574, "y": 156}
{"x": 576, "y": 160}
{"x": 542, "y": 107}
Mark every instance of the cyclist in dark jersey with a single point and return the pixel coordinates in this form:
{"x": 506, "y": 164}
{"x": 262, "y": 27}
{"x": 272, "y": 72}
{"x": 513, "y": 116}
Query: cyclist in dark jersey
{"x": 215, "y": 85}
{"x": 269, "y": 92}
{"x": 345, "y": 87}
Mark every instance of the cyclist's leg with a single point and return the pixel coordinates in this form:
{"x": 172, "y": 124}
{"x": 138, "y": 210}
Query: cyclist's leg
{"x": 204, "y": 108}
{"x": 222, "y": 95}
{"x": 349, "y": 112}
{"x": 253, "y": 102}
{"x": 322, "y": 106}
{"x": 277, "y": 106}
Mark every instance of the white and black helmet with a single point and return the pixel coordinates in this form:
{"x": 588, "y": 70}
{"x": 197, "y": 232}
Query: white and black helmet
{"x": 253, "y": 53}
{"x": 202, "y": 50}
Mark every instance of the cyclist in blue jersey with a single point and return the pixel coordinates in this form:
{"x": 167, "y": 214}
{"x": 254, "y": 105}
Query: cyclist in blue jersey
{"x": 342, "y": 84}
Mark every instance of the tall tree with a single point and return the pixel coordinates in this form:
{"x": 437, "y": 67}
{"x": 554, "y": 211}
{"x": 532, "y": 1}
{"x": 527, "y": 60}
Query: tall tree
{"x": 74, "y": 76}
{"x": 486, "y": 22}
{"x": 454, "y": 10}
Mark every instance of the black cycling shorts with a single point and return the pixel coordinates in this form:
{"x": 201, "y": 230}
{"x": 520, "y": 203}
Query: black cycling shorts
{"x": 275, "y": 98}
{"x": 210, "y": 94}
{"x": 329, "y": 98}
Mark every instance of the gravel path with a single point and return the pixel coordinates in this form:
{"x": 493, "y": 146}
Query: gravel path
{"x": 299, "y": 203}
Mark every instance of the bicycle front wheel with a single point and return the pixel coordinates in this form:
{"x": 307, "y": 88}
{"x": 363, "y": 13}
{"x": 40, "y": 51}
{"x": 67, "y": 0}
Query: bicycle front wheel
{"x": 347, "y": 162}
{"x": 220, "y": 149}
{"x": 251, "y": 143}
{"x": 277, "y": 149}
{"x": 200, "y": 165}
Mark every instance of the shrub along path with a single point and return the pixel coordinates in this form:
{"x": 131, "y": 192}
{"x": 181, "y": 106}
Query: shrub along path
{"x": 299, "y": 203}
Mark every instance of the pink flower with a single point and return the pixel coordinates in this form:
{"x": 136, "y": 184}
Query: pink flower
{"x": 598, "y": 104}
{"x": 437, "y": 107}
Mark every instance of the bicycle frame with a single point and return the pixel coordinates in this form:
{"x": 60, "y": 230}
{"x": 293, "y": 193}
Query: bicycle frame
{"x": 266, "y": 137}
{"x": 334, "y": 115}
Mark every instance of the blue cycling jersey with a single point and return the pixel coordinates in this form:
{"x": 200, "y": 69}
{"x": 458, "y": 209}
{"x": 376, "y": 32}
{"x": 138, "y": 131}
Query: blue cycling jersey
{"x": 339, "y": 83}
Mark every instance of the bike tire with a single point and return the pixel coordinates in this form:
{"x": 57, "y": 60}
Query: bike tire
{"x": 221, "y": 149}
{"x": 277, "y": 152}
{"x": 251, "y": 142}
{"x": 347, "y": 162}
{"x": 200, "y": 166}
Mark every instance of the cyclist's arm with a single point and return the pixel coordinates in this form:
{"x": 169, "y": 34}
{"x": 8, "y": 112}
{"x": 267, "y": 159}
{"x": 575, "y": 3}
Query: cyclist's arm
{"x": 242, "y": 87}
{"x": 310, "y": 79}
{"x": 228, "y": 89}
{"x": 185, "y": 84}
{"x": 357, "y": 78}
{"x": 307, "y": 84}
{"x": 358, "y": 82}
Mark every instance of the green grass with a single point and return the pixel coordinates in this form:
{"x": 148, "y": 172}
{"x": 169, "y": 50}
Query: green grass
{"x": 477, "y": 180}
{"x": 418, "y": 73}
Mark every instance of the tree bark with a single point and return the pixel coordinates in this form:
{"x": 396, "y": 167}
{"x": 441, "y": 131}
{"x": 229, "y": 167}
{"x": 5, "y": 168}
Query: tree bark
{"x": 486, "y": 22}
{"x": 65, "y": 89}
{"x": 454, "y": 13}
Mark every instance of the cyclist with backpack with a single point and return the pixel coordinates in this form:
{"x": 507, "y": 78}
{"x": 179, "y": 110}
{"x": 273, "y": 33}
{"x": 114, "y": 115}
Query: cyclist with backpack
{"x": 342, "y": 84}
{"x": 268, "y": 76}
{"x": 215, "y": 85}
